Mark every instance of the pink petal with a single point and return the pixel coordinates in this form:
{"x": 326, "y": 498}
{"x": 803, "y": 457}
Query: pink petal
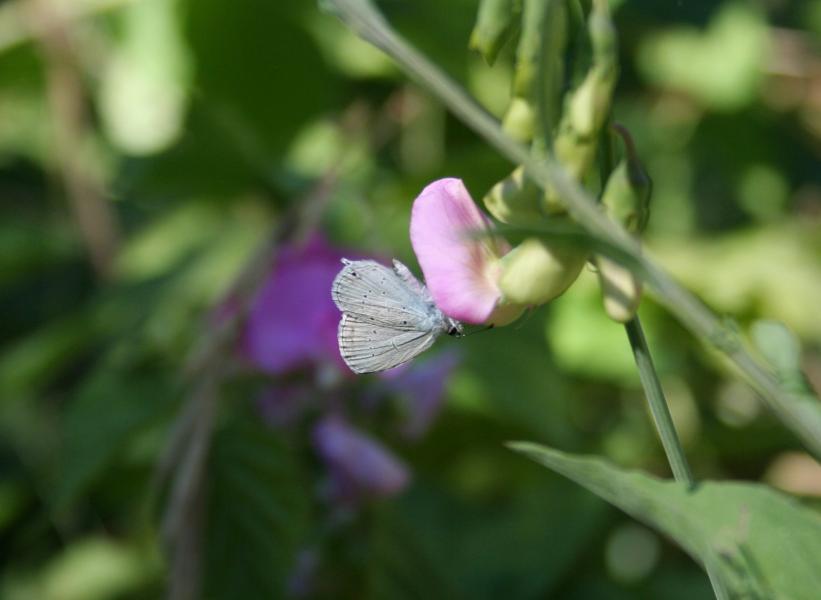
{"x": 459, "y": 269}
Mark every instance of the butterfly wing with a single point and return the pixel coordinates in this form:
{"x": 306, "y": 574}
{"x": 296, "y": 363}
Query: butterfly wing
{"x": 378, "y": 295}
{"x": 411, "y": 281}
{"x": 367, "y": 346}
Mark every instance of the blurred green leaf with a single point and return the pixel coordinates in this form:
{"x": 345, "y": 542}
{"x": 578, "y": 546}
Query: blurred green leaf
{"x": 721, "y": 66}
{"x": 399, "y": 565}
{"x": 778, "y": 345}
{"x": 143, "y": 92}
{"x": 762, "y": 543}
{"x": 258, "y": 508}
{"x": 503, "y": 548}
{"x": 30, "y": 364}
{"x": 93, "y": 568}
{"x": 584, "y": 339}
{"x": 773, "y": 271}
{"x": 108, "y": 410}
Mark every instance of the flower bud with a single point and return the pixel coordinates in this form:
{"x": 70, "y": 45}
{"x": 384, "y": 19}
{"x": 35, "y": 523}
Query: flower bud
{"x": 588, "y": 106}
{"x": 626, "y": 197}
{"x": 519, "y": 120}
{"x": 495, "y": 21}
{"x": 515, "y": 199}
{"x": 626, "y": 200}
{"x": 621, "y": 290}
{"x": 536, "y": 271}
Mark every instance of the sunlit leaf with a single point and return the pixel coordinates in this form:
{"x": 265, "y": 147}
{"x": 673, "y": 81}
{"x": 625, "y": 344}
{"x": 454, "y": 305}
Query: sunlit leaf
{"x": 762, "y": 543}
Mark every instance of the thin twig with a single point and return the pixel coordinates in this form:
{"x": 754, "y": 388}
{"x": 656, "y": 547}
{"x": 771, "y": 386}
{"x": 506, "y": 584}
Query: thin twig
{"x": 183, "y": 520}
{"x": 67, "y": 107}
{"x": 189, "y": 444}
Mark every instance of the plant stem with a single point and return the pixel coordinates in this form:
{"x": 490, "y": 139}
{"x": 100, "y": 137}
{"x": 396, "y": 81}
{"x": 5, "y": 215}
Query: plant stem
{"x": 658, "y": 403}
{"x": 664, "y": 425}
{"x": 802, "y": 417}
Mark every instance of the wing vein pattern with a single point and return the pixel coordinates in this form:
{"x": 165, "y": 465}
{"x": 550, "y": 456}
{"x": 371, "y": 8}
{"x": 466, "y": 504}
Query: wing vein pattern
{"x": 385, "y": 321}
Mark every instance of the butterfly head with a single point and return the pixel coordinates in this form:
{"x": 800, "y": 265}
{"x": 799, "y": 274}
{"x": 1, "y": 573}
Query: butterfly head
{"x": 454, "y": 327}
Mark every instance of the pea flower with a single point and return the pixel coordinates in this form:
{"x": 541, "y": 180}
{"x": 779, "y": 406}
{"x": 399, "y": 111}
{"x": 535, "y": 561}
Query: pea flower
{"x": 461, "y": 265}
{"x": 292, "y": 320}
{"x": 358, "y": 465}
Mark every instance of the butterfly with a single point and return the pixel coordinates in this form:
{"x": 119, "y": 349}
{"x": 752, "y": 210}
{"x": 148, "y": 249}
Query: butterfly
{"x": 388, "y": 316}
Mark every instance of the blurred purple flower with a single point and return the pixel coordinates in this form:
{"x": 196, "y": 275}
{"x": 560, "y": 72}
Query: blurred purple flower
{"x": 422, "y": 388}
{"x": 292, "y": 321}
{"x": 302, "y": 580}
{"x": 359, "y": 466}
{"x": 283, "y": 406}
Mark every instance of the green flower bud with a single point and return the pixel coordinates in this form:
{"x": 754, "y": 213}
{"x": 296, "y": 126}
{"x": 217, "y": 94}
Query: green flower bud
{"x": 602, "y": 34}
{"x": 519, "y": 120}
{"x": 536, "y": 271}
{"x": 626, "y": 200}
{"x": 515, "y": 199}
{"x": 495, "y": 22}
{"x": 588, "y": 106}
{"x": 590, "y": 103}
{"x": 529, "y": 48}
{"x": 621, "y": 290}
{"x": 576, "y": 156}
{"x": 626, "y": 197}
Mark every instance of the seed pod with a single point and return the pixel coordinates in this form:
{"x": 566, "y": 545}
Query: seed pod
{"x": 515, "y": 199}
{"x": 536, "y": 272}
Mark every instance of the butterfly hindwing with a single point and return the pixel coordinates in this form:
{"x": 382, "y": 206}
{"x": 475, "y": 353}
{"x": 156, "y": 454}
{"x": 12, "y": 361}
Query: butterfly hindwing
{"x": 367, "y": 346}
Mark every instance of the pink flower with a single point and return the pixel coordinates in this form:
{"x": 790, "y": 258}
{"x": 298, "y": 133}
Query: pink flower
{"x": 460, "y": 266}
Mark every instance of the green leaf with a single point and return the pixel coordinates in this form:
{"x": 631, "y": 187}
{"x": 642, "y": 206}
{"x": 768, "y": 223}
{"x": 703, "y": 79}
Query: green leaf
{"x": 503, "y": 549}
{"x": 761, "y": 543}
{"x": 399, "y": 564}
{"x": 257, "y": 514}
{"x": 782, "y": 350}
{"x": 108, "y": 411}
{"x": 719, "y": 66}
{"x": 89, "y": 568}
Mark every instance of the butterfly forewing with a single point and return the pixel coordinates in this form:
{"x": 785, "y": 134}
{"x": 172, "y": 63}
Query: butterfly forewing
{"x": 367, "y": 346}
{"x": 378, "y": 295}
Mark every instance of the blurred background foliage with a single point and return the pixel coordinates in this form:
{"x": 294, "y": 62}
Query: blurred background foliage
{"x": 148, "y": 148}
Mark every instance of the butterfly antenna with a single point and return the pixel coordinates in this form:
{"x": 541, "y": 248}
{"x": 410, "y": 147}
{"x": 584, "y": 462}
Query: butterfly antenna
{"x": 521, "y": 322}
{"x": 479, "y": 330}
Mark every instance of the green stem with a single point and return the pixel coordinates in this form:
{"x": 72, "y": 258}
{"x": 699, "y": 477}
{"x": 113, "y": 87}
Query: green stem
{"x": 665, "y": 426}
{"x": 658, "y": 403}
{"x": 801, "y": 417}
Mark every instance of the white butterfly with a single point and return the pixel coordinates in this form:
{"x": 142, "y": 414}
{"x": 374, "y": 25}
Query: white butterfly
{"x": 388, "y": 316}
